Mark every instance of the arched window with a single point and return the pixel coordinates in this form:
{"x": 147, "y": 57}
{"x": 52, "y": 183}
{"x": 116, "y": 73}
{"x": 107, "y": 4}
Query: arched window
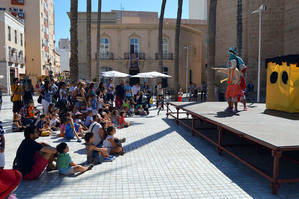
{"x": 165, "y": 46}
{"x": 105, "y": 47}
{"x": 134, "y": 45}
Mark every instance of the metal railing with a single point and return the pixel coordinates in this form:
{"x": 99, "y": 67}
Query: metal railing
{"x": 131, "y": 55}
{"x": 106, "y": 56}
{"x": 166, "y": 56}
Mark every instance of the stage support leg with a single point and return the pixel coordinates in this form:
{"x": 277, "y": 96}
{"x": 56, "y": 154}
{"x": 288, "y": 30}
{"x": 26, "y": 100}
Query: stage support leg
{"x": 167, "y": 107}
{"x": 193, "y": 133}
{"x": 220, "y": 132}
{"x": 177, "y": 116}
{"x": 274, "y": 184}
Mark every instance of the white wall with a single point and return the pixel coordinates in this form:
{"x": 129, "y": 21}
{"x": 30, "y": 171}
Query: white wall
{"x": 64, "y": 59}
{"x": 198, "y": 9}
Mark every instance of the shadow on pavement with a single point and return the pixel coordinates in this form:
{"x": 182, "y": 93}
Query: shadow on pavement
{"x": 236, "y": 171}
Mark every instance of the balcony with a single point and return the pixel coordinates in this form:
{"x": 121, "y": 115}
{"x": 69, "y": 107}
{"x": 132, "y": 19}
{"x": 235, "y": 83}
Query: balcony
{"x": 140, "y": 56}
{"x": 21, "y": 60}
{"x": 106, "y": 56}
{"x": 12, "y": 58}
{"x": 166, "y": 56}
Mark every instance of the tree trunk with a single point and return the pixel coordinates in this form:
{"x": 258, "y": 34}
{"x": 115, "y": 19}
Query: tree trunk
{"x": 177, "y": 47}
{"x": 98, "y": 39}
{"x": 74, "y": 41}
{"x": 88, "y": 42}
{"x": 160, "y": 39}
{"x": 211, "y": 49}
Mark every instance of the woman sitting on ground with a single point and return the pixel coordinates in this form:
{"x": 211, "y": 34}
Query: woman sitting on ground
{"x": 110, "y": 143}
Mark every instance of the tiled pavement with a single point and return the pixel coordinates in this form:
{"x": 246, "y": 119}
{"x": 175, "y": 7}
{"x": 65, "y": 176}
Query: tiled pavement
{"x": 163, "y": 160}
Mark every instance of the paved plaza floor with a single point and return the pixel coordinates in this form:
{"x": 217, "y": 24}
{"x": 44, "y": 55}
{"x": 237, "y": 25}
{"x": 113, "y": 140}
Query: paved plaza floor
{"x": 162, "y": 160}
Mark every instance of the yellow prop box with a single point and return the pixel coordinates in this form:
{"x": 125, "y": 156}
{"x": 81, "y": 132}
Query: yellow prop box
{"x": 283, "y": 83}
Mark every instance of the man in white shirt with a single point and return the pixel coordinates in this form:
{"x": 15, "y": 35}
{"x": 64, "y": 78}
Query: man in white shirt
{"x": 135, "y": 89}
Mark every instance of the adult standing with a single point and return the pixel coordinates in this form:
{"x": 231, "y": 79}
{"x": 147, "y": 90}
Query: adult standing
{"x": 46, "y": 92}
{"x": 128, "y": 90}
{"x": 110, "y": 90}
{"x": 120, "y": 94}
{"x": 32, "y": 157}
{"x": 203, "y": 91}
{"x": 16, "y": 97}
{"x": 28, "y": 92}
{"x": 80, "y": 96}
{"x": 135, "y": 89}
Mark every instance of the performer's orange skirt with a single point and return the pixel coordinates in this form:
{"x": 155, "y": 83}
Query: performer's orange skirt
{"x": 234, "y": 92}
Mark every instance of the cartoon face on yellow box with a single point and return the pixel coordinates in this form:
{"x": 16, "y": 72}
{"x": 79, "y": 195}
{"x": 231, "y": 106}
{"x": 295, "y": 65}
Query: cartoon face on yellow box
{"x": 283, "y": 83}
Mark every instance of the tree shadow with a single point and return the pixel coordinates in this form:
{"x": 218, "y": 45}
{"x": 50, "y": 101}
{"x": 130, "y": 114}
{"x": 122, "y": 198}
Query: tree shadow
{"x": 51, "y": 180}
{"x": 144, "y": 141}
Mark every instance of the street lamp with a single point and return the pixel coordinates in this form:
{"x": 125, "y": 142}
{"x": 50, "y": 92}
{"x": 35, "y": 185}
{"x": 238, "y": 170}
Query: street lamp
{"x": 187, "y": 67}
{"x": 259, "y": 11}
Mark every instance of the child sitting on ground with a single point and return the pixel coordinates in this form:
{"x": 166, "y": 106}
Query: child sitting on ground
{"x": 55, "y": 122}
{"x": 122, "y": 122}
{"x": 43, "y": 127}
{"x": 71, "y": 130}
{"x": 65, "y": 165}
{"x": 110, "y": 144}
{"x": 88, "y": 119}
{"x": 17, "y": 125}
{"x": 96, "y": 154}
{"x": 115, "y": 118}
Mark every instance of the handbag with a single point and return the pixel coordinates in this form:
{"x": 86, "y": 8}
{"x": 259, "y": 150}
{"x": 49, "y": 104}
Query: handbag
{"x": 39, "y": 99}
{"x": 11, "y": 98}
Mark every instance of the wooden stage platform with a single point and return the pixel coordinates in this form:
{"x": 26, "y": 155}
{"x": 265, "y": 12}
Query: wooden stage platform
{"x": 277, "y": 134}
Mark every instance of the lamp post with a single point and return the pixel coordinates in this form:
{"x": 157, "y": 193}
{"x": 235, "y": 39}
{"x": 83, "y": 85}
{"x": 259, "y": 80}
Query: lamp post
{"x": 259, "y": 11}
{"x": 187, "y": 67}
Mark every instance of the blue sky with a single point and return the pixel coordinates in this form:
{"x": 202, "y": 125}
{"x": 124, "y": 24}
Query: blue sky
{"x": 62, "y": 22}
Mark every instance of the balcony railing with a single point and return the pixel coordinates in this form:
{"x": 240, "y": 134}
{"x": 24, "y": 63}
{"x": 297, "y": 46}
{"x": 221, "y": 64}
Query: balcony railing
{"x": 21, "y": 60}
{"x": 106, "y": 56}
{"x": 136, "y": 55}
{"x": 166, "y": 56}
{"x": 12, "y": 58}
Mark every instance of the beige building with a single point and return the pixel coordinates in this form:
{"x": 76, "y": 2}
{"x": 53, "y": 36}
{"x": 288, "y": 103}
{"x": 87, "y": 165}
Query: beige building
{"x": 12, "y": 50}
{"x": 38, "y": 17}
{"x": 129, "y": 43}
{"x": 64, "y": 52}
{"x": 236, "y": 26}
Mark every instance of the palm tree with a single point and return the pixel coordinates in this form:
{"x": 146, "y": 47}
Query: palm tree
{"x": 211, "y": 49}
{"x": 177, "y": 46}
{"x": 74, "y": 41}
{"x": 88, "y": 43}
{"x": 98, "y": 38}
{"x": 160, "y": 39}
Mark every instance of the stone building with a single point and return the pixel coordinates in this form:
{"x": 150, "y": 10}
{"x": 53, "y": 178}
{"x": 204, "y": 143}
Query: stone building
{"x": 12, "y": 49}
{"x": 64, "y": 52}
{"x": 38, "y": 18}
{"x": 236, "y": 26}
{"x": 129, "y": 43}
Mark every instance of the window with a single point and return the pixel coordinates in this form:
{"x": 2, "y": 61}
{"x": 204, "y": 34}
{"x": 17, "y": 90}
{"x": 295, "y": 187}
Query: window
{"x": 21, "y": 38}
{"x": 105, "y": 47}
{"x": 134, "y": 45}
{"x": 9, "y": 51}
{"x": 20, "y": 1}
{"x": 9, "y": 33}
{"x": 165, "y": 46}
{"x": 3, "y": 9}
{"x": 16, "y": 37}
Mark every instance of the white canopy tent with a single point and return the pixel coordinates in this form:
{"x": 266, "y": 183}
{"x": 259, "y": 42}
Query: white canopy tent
{"x": 114, "y": 74}
{"x": 153, "y": 74}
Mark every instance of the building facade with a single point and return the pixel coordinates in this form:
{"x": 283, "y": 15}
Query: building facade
{"x": 129, "y": 43}
{"x": 236, "y": 26}
{"x": 38, "y": 17}
{"x": 64, "y": 51}
{"x": 198, "y": 9}
{"x": 12, "y": 49}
